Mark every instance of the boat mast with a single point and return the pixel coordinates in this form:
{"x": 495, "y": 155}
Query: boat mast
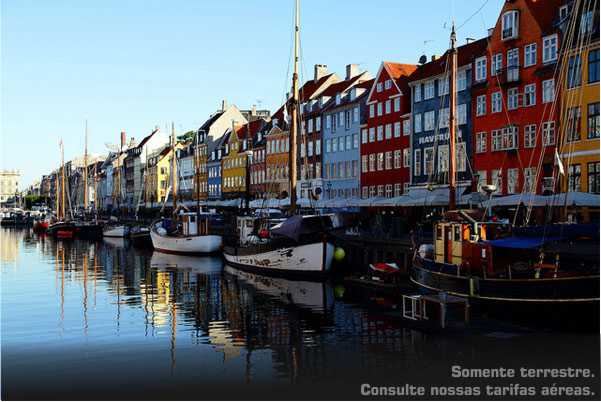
{"x": 294, "y": 111}
{"x": 62, "y": 180}
{"x": 57, "y": 190}
{"x": 452, "y": 120}
{"x": 173, "y": 171}
{"x": 85, "y": 171}
{"x": 197, "y": 165}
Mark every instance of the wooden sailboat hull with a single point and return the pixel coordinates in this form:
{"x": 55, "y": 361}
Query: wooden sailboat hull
{"x": 306, "y": 259}
{"x": 573, "y": 289}
{"x": 206, "y": 244}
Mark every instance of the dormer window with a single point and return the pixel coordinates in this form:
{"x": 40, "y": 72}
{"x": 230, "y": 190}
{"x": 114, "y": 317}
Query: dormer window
{"x": 379, "y": 87}
{"x": 353, "y": 93}
{"x": 564, "y": 12}
{"x": 510, "y": 25}
{"x": 338, "y": 98}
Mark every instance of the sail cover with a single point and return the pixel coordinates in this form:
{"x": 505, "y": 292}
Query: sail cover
{"x": 297, "y": 225}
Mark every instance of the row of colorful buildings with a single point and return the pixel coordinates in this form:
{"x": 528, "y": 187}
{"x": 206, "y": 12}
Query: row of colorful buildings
{"x": 527, "y": 121}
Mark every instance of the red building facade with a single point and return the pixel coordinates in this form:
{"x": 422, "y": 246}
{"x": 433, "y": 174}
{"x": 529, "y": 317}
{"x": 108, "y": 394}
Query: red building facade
{"x": 385, "y": 138}
{"x": 515, "y": 117}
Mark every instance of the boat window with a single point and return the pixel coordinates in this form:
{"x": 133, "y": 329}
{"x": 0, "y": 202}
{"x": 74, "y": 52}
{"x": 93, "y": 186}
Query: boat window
{"x": 457, "y": 233}
{"x": 192, "y": 219}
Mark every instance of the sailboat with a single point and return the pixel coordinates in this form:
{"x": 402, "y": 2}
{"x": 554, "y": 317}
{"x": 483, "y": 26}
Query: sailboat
{"x": 114, "y": 228}
{"x": 184, "y": 232}
{"x": 480, "y": 258}
{"x": 61, "y": 227}
{"x": 83, "y": 227}
{"x": 297, "y": 246}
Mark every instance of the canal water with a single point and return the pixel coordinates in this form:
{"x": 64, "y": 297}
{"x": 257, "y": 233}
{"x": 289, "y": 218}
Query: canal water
{"x": 104, "y": 320}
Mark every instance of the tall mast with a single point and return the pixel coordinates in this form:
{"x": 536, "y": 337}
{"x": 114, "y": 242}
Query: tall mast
{"x": 294, "y": 110}
{"x": 452, "y": 119}
{"x": 197, "y": 165}
{"x": 173, "y": 170}
{"x": 62, "y": 180}
{"x": 85, "y": 171}
{"x": 57, "y": 191}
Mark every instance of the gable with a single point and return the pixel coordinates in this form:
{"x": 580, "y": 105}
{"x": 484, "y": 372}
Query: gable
{"x": 383, "y": 75}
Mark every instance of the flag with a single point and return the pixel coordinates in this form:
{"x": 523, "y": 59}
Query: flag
{"x": 559, "y": 163}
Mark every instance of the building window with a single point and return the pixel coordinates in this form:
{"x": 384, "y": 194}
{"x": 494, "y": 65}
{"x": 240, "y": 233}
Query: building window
{"x": 388, "y": 107}
{"x": 496, "y": 140}
{"x": 574, "y": 178}
{"x": 573, "y": 128}
{"x": 379, "y": 108}
{"x": 417, "y": 123}
{"x": 380, "y": 161}
{"x": 364, "y": 136}
{"x": 461, "y": 80}
{"x": 397, "y": 104}
{"x": 513, "y": 65}
{"x": 593, "y": 121}
{"x": 317, "y": 123}
{"x": 496, "y": 64}
{"x": 355, "y": 167}
{"x": 496, "y": 104}
{"x": 417, "y": 93}
{"x": 389, "y": 191}
{"x": 462, "y": 114}
{"x": 397, "y": 189}
{"x": 530, "y": 55}
{"x": 549, "y": 133}
{"x": 510, "y": 23}
{"x": 379, "y": 87}
{"x": 335, "y": 144}
{"x": 574, "y": 71}
{"x": 593, "y": 66}
{"x": 429, "y": 160}
{"x": 429, "y": 90}
{"x": 480, "y": 142}
{"x": 355, "y": 141}
{"x": 397, "y": 129}
{"x": 510, "y": 137}
{"x": 443, "y": 86}
{"x": 496, "y": 180}
{"x": 388, "y": 131}
{"x": 529, "y": 95}
{"x": 443, "y": 159}
{"x": 364, "y": 192}
{"x": 356, "y": 114}
{"x": 407, "y": 127}
{"x": 429, "y": 120}
{"x": 397, "y": 159}
{"x": 548, "y": 91}
{"x": 317, "y": 147}
{"x": 593, "y": 177}
{"x": 481, "y": 68}
{"x": 388, "y": 160}
{"x": 380, "y": 133}
{"x": 387, "y": 84}
{"x": 550, "y": 48}
{"x": 530, "y": 136}
{"x": 371, "y": 111}
{"x": 512, "y": 181}
{"x": 586, "y": 22}
{"x": 512, "y": 98}
{"x": 529, "y": 176}
{"x": 417, "y": 162}
{"x": 481, "y": 105}
{"x": 406, "y": 157}
{"x": 443, "y": 118}
{"x": 328, "y": 146}
{"x": 372, "y": 134}
{"x": 364, "y": 163}
{"x": 372, "y": 191}
{"x": 349, "y": 142}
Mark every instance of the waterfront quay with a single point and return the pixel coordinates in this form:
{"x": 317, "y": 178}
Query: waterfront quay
{"x": 107, "y": 320}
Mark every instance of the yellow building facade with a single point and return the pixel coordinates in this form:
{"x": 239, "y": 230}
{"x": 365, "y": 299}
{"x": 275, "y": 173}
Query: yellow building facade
{"x": 579, "y": 146}
{"x": 233, "y": 166}
{"x": 158, "y": 175}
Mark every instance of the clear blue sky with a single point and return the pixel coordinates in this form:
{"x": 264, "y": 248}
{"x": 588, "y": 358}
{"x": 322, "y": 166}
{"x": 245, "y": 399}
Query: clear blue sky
{"x": 131, "y": 65}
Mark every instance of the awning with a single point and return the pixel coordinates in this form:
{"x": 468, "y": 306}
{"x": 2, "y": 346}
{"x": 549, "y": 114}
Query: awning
{"x": 578, "y": 199}
{"x": 523, "y": 243}
{"x": 517, "y": 199}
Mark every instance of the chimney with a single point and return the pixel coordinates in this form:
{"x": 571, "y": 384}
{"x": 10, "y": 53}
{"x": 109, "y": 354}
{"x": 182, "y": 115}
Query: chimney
{"x": 434, "y": 57}
{"x": 223, "y": 105}
{"x": 352, "y": 70}
{"x": 122, "y": 139}
{"x": 253, "y": 111}
{"x": 320, "y": 71}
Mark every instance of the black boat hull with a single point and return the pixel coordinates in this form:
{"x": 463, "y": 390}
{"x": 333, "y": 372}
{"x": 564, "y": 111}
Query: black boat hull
{"x": 577, "y": 289}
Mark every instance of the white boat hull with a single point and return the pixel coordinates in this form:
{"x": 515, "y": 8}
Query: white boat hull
{"x": 312, "y": 258}
{"x": 186, "y": 244}
{"x": 116, "y": 231}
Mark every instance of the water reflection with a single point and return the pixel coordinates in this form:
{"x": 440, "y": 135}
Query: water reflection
{"x": 75, "y": 310}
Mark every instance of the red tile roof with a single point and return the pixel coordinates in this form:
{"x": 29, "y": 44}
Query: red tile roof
{"x": 465, "y": 55}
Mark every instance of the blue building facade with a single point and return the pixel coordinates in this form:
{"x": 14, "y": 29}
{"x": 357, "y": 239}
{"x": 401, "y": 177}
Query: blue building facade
{"x": 214, "y": 168}
{"x": 430, "y": 118}
{"x": 342, "y": 117}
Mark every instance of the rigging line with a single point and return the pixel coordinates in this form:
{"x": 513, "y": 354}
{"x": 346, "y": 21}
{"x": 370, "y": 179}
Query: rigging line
{"x": 473, "y": 15}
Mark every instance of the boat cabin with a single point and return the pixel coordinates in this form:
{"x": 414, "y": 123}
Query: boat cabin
{"x": 193, "y": 224}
